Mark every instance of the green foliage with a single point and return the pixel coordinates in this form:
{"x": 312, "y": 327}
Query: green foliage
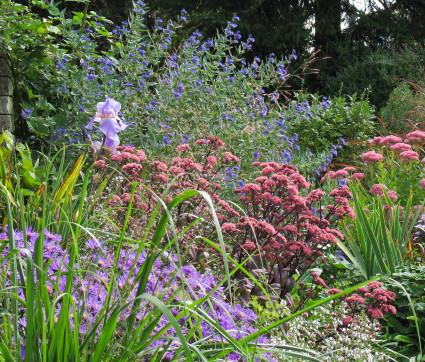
{"x": 380, "y": 72}
{"x": 172, "y": 91}
{"x": 266, "y": 312}
{"x": 156, "y": 77}
{"x": 406, "y": 330}
{"x": 404, "y": 110}
{"x": 377, "y": 245}
{"x": 320, "y": 123}
{"x": 16, "y": 169}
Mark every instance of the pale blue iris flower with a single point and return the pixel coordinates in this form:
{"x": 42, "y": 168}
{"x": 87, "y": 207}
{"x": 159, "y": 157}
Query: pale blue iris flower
{"x": 109, "y": 122}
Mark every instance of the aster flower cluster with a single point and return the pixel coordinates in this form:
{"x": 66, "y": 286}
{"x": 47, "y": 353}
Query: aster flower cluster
{"x": 166, "y": 281}
{"x": 281, "y": 232}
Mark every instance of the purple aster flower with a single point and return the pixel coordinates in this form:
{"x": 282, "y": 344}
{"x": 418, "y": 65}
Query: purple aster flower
{"x": 51, "y": 249}
{"x": 93, "y": 244}
{"x": 32, "y": 235}
{"x": 52, "y": 237}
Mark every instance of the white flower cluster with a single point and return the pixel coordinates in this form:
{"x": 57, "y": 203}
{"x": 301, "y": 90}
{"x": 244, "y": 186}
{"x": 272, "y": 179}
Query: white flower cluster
{"x": 324, "y": 332}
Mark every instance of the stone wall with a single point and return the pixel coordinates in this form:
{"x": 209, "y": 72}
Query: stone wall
{"x": 6, "y": 96}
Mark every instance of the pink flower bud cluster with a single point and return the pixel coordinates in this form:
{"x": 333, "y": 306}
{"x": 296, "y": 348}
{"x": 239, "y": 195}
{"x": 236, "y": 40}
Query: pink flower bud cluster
{"x": 409, "y": 156}
{"x": 376, "y": 300}
{"x": 371, "y": 157}
{"x": 197, "y": 171}
{"x": 415, "y": 136}
{"x": 344, "y": 172}
{"x": 388, "y": 140}
{"x": 377, "y": 189}
{"x": 396, "y": 144}
{"x": 401, "y": 147}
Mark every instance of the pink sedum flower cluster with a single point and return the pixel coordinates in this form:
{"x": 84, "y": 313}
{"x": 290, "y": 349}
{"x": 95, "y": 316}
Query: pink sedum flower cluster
{"x": 377, "y": 189}
{"x": 371, "y": 157}
{"x": 415, "y": 136}
{"x": 409, "y": 156}
{"x": 286, "y": 228}
{"x": 376, "y": 300}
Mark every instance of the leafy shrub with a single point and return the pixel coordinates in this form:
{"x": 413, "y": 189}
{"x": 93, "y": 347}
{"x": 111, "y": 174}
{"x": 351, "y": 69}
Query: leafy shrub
{"x": 320, "y": 123}
{"x": 208, "y": 82}
{"x": 17, "y": 166}
{"x": 404, "y": 109}
{"x": 380, "y": 72}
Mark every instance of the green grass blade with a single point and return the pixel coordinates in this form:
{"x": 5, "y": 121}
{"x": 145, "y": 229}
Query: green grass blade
{"x": 143, "y": 274}
{"x": 29, "y": 298}
{"x": 412, "y": 306}
{"x": 161, "y": 306}
{"x": 369, "y": 225}
{"x": 356, "y": 259}
{"x": 13, "y": 270}
{"x": 105, "y": 337}
{"x": 5, "y": 353}
{"x": 391, "y": 253}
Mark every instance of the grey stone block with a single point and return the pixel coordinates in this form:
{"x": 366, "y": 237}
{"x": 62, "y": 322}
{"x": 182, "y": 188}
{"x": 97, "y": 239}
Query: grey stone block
{"x": 6, "y": 105}
{"x": 6, "y": 86}
{"x": 5, "y": 68}
{"x": 6, "y": 122}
